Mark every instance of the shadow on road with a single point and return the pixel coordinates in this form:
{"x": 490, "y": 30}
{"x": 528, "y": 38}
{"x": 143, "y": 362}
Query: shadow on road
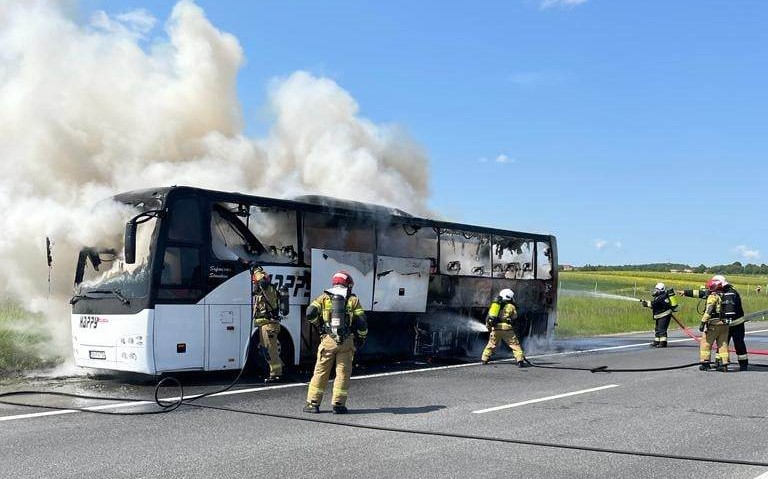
{"x": 398, "y": 410}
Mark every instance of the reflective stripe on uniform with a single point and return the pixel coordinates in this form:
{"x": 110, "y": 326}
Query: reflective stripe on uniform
{"x": 316, "y": 390}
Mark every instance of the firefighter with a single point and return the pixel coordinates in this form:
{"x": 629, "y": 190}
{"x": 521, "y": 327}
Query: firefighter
{"x": 501, "y": 315}
{"x": 714, "y": 328}
{"x": 661, "y": 308}
{"x": 266, "y": 319}
{"x": 733, "y": 310}
{"x": 343, "y": 330}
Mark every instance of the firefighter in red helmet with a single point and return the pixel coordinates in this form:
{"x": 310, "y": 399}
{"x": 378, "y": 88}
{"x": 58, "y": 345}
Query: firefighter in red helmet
{"x": 714, "y": 328}
{"x": 731, "y": 311}
{"x": 343, "y": 329}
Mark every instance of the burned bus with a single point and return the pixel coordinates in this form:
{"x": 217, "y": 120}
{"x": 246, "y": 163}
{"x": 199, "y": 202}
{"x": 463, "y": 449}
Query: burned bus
{"x": 174, "y": 292}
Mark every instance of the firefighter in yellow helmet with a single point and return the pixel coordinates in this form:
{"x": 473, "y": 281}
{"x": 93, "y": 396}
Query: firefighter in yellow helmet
{"x": 714, "y": 328}
{"x": 266, "y": 318}
{"x": 343, "y": 330}
{"x": 501, "y": 315}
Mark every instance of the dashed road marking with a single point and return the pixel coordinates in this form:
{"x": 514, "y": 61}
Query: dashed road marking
{"x": 548, "y": 398}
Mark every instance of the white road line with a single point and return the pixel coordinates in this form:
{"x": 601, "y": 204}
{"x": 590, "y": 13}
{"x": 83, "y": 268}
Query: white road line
{"x": 548, "y": 398}
{"x": 762, "y": 476}
{"x": 367, "y": 376}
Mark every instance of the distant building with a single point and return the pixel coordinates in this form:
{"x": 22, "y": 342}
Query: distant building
{"x": 567, "y": 267}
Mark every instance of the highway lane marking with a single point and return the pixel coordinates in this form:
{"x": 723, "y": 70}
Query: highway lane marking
{"x": 367, "y": 376}
{"x": 548, "y": 398}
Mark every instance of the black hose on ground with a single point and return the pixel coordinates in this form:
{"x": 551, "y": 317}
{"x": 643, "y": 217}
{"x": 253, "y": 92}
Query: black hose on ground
{"x": 606, "y": 369}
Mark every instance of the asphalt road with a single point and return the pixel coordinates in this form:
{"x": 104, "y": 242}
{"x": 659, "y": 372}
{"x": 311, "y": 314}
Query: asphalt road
{"x": 556, "y": 414}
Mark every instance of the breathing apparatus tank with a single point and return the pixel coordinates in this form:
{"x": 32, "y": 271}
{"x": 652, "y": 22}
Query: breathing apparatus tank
{"x": 493, "y": 312}
{"x": 339, "y": 326}
{"x": 730, "y": 310}
{"x": 672, "y": 299}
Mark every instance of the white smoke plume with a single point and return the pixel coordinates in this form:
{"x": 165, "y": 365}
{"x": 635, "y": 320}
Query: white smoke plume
{"x": 90, "y": 109}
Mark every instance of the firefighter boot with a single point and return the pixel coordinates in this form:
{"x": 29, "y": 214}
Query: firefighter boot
{"x": 340, "y": 409}
{"x": 521, "y": 364}
{"x": 718, "y": 364}
{"x": 654, "y": 344}
{"x": 272, "y": 379}
{"x": 311, "y": 407}
{"x": 743, "y": 364}
{"x": 485, "y": 362}
{"x": 663, "y": 344}
{"x": 704, "y": 366}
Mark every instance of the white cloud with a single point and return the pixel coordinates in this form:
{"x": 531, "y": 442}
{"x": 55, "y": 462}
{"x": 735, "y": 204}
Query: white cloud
{"x": 561, "y": 3}
{"x": 504, "y": 159}
{"x": 601, "y": 244}
{"x": 746, "y": 252}
{"x": 538, "y": 78}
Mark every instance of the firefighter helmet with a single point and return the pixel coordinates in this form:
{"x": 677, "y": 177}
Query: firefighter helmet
{"x": 660, "y": 286}
{"x": 721, "y": 278}
{"x": 507, "y": 294}
{"x": 260, "y": 275}
{"x": 714, "y": 285}
{"x": 342, "y": 278}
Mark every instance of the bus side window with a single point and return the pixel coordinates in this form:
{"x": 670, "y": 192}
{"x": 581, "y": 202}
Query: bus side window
{"x": 180, "y": 278}
{"x": 340, "y": 233}
{"x": 464, "y": 253}
{"x": 543, "y": 261}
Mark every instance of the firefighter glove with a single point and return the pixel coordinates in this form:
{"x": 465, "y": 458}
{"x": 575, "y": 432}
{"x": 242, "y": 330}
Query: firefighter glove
{"x": 359, "y": 342}
{"x": 702, "y": 326}
{"x": 644, "y": 302}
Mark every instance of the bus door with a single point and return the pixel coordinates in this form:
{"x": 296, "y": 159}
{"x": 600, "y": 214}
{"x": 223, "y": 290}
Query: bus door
{"x": 228, "y": 314}
{"x": 179, "y": 323}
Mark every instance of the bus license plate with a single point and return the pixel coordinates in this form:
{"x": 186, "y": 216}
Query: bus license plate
{"x": 97, "y": 354}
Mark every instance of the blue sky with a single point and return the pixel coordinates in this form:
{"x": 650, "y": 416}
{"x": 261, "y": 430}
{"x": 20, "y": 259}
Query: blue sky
{"x": 636, "y": 131}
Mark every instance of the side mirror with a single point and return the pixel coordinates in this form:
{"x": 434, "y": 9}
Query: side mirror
{"x": 130, "y": 242}
{"x": 284, "y": 297}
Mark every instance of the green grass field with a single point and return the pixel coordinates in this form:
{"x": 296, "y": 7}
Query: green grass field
{"x": 583, "y": 312}
{"x": 23, "y": 337}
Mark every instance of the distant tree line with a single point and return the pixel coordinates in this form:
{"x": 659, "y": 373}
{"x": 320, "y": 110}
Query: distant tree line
{"x": 733, "y": 268}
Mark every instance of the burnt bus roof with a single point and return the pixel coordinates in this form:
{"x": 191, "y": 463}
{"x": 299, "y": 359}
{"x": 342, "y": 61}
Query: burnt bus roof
{"x": 157, "y": 198}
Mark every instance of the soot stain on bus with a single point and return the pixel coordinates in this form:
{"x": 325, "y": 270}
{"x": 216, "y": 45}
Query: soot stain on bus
{"x": 176, "y": 294}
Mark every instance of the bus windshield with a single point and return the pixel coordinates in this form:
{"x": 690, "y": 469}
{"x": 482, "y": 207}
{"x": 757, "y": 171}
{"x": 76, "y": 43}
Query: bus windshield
{"x": 103, "y": 269}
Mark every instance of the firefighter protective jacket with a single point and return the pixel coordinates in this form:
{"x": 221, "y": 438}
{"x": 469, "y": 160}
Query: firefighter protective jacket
{"x": 501, "y": 315}
{"x": 661, "y": 306}
{"x": 265, "y": 304}
{"x": 713, "y": 309}
{"x": 355, "y": 315}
